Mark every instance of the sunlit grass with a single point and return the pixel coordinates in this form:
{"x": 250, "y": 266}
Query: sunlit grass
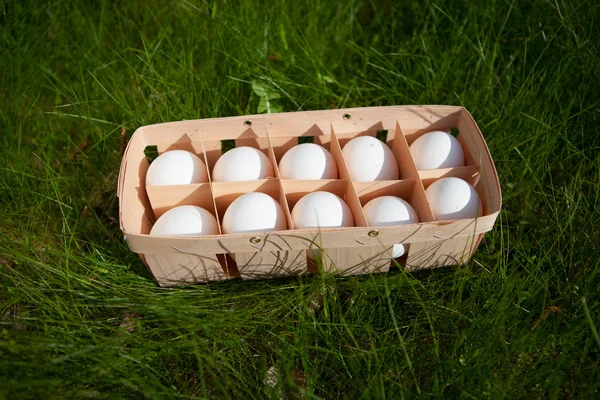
{"x": 81, "y": 316}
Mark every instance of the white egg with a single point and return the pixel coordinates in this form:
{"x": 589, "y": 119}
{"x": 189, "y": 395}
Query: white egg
{"x": 369, "y": 159}
{"x": 453, "y": 198}
{"x": 254, "y": 212}
{"x": 436, "y": 150}
{"x": 308, "y": 161}
{"x": 185, "y": 221}
{"x": 176, "y": 167}
{"x": 242, "y": 164}
{"x": 321, "y": 210}
{"x": 398, "y": 250}
{"x": 390, "y": 210}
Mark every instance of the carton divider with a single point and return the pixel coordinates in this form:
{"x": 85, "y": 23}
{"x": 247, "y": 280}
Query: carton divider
{"x": 405, "y": 160}
{"x": 367, "y": 191}
{"x": 164, "y": 198}
{"x": 214, "y": 205}
{"x": 336, "y": 152}
{"x": 470, "y": 174}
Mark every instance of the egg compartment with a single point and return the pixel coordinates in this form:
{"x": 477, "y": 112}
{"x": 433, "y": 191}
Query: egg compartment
{"x": 184, "y": 266}
{"x": 454, "y": 124}
{"x": 259, "y": 263}
{"x": 461, "y": 246}
{"x": 161, "y": 254}
{"x": 469, "y": 174}
{"x": 409, "y": 190}
{"x": 393, "y": 138}
{"x": 215, "y": 145}
{"x": 167, "y": 196}
{"x": 164, "y": 197}
{"x": 281, "y": 144}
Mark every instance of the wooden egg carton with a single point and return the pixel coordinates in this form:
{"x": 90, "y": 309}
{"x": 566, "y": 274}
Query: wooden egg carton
{"x": 356, "y": 250}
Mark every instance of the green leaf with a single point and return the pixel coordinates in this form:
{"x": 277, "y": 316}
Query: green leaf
{"x": 266, "y": 94}
{"x": 269, "y": 107}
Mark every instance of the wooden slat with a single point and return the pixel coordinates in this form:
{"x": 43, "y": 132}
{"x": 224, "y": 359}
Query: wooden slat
{"x": 163, "y": 198}
{"x": 176, "y": 269}
{"x": 298, "y": 239}
{"x": 270, "y": 264}
{"x": 356, "y": 261}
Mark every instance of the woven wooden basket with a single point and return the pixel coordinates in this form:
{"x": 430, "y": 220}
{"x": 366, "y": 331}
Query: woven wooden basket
{"x": 357, "y": 250}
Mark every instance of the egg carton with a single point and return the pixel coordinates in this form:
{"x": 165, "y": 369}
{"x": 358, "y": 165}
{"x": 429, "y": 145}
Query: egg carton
{"x": 346, "y": 251}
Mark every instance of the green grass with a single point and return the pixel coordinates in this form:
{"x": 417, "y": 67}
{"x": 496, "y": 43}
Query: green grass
{"x": 81, "y": 317}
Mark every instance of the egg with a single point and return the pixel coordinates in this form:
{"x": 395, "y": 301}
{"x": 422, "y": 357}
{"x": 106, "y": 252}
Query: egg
{"x": 390, "y": 210}
{"x": 321, "y": 210}
{"x": 242, "y": 164}
{"x": 398, "y": 250}
{"x": 308, "y": 161}
{"x": 176, "y": 167}
{"x": 369, "y": 159}
{"x": 254, "y": 212}
{"x": 453, "y": 198}
{"x": 185, "y": 221}
{"x": 436, "y": 150}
